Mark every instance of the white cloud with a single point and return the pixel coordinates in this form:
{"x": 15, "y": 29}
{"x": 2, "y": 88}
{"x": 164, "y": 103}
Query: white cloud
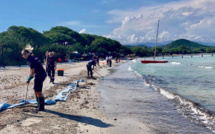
{"x": 190, "y": 19}
{"x": 83, "y": 31}
{"x": 187, "y": 13}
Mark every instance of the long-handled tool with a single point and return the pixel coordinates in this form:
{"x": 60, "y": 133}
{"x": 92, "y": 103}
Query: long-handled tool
{"x": 98, "y": 73}
{"x": 26, "y": 94}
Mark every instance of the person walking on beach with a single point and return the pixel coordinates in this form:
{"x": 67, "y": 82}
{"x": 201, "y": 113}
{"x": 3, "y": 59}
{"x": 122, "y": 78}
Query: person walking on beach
{"x": 37, "y": 71}
{"x": 116, "y": 59}
{"x": 110, "y": 61}
{"x": 51, "y": 66}
{"x": 89, "y": 67}
{"x": 97, "y": 60}
{"x": 107, "y": 60}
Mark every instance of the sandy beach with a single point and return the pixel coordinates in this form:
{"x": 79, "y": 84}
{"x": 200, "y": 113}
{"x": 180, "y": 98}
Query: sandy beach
{"x": 108, "y": 105}
{"x": 79, "y": 114}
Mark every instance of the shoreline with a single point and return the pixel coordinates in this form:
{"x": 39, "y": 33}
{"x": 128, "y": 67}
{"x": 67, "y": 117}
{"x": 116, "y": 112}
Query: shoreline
{"x": 192, "y": 109}
{"x": 136, "y": 102}
{"x": 79, "y": 110}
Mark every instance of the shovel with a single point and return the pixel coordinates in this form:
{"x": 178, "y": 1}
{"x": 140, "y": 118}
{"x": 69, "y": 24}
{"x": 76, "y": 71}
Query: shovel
{"x": 99, "y": 74}
{"x": 26, "y": 94}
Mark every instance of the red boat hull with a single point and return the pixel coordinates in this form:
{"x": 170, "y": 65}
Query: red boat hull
{"x": 152, "y": 61}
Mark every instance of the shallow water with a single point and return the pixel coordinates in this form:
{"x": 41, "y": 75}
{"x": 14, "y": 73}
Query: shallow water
{"x": 192, "y": 78}
{"x": 189, "y": 82}
{"x": 125, "y": 95}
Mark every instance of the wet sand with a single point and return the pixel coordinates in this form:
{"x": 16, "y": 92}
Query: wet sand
{"x": 139, "y": 109}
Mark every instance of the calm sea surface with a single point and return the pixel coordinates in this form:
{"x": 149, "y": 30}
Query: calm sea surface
{"x": 192, "y": 78}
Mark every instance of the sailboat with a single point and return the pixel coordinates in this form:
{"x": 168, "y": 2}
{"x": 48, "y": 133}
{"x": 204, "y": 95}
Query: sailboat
{"x": 154, "y": 61}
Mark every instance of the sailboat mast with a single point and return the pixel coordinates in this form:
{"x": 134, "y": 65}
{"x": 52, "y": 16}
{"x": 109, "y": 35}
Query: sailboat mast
{"x": 156, "y": 39}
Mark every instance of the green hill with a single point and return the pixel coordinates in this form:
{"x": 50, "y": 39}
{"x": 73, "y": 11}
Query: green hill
{"x": 184, "y": 42}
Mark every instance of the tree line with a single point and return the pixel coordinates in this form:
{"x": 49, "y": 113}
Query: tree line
{"x": 64, "y": 40}
{"x": 59, "y": 39}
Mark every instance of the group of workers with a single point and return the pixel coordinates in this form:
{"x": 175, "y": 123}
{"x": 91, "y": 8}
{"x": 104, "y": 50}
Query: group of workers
{"x": 39, "y": 73}
{"x": 90, "y": 65}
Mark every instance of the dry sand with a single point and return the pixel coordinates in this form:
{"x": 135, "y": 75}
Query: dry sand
{"x": 79, "y": 114}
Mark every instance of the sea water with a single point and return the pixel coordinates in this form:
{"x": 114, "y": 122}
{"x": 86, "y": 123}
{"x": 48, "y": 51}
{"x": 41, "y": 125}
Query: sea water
{"x": 189, "y": 81}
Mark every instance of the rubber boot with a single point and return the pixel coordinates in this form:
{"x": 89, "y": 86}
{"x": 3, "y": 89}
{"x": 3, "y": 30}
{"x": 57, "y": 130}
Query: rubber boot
{"x": 53, "y": 80}
{"x": 50, "y": 79}
{"x": 41, "y": 104}
{"x": 37, "y": 104}
{"x": 37, "y": 98}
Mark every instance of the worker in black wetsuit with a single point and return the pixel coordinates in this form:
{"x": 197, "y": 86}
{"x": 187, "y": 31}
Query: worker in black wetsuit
{"x": 51, "y": 66}
{"x": 110, "y": 61}
{"x": 37, "y": 71}
{"x": 89, "y": 67}
{"x": 97, "y": 60}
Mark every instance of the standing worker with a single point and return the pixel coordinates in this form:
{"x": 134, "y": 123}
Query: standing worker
{"x": 89, "y": 67}
{"x": 51, "y": 66}
{"x": 97, "y": 60}
{"x": 107, "y": 60}
{"x": 37, "y": 71}
{"x": 110, "y": 60}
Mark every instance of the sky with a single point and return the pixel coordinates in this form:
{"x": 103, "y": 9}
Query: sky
{"x": 127, "y": 21}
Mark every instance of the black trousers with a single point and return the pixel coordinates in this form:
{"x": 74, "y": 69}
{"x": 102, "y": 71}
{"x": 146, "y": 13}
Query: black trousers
{"x": 38, "y": 83}
{"x": 51, "y": 71}
{"x": 110, "y": 63}
{"x": 89, "y": 71}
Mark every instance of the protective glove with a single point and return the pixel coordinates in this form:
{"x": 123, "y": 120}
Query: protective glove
{"x": 29, "y": 79}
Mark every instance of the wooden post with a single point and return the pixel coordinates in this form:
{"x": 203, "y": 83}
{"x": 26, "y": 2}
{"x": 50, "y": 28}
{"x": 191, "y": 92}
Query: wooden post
{"x": 182, "y": 56}
{"x": 212, "y": 55}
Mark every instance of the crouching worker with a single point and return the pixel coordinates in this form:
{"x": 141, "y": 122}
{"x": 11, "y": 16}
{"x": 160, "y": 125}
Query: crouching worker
{"x": 89, "y": 68}
{"x": 37, "y": 71}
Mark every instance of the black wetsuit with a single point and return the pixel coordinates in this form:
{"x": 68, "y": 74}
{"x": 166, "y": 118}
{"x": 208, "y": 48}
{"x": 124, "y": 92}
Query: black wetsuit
{"x": 51, "y": 67}
{"x": 110, "y": 62}
{"x": 39, "y": 74}
{"x": 89, "y": 67}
